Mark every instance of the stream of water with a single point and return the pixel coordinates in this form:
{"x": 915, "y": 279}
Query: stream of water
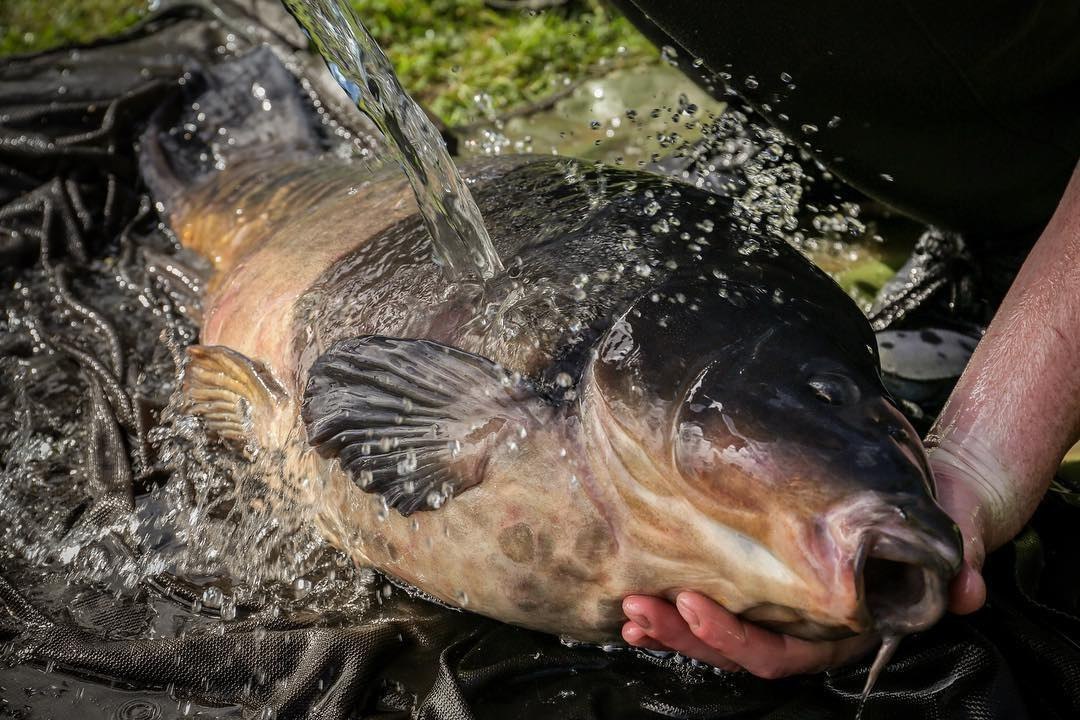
{"x": 461, "y": 243}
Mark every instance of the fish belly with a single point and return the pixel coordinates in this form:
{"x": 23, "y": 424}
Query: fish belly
{"x": 269, "y": 232}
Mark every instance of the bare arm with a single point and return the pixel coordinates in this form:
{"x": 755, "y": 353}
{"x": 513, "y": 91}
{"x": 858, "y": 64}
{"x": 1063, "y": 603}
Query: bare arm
{"x": 1016, "y": 410}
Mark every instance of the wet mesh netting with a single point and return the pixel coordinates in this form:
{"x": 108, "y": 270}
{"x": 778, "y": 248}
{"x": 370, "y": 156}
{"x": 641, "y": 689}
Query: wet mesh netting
{"x": 107, "y": 610}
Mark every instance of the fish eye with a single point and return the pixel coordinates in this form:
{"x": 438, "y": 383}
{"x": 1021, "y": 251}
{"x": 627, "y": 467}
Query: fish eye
{"x": 833, "y": 388}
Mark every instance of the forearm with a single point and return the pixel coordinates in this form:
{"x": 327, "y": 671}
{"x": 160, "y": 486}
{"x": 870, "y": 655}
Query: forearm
{"x": 1016, "y": 409}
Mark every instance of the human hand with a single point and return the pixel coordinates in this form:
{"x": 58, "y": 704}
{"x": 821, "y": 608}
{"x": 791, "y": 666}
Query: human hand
{"x": 698, "y": 628}
{"x": 966, "y": 490}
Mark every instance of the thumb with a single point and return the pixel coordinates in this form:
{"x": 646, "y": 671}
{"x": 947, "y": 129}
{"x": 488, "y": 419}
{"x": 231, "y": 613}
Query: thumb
{"x": 959, "y": 498}
{"x": 967, "y": 593}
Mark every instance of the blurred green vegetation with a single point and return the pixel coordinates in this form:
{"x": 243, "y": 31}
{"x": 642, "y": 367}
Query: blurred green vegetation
{"x": 29, "y": 25}
{"x": 862, "y": 280}
{"x": 1070, "y": 470}
{"x": 447, "y": 52}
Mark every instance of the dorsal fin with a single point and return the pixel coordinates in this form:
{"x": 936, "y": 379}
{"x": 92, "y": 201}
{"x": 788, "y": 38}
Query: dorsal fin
{"x": 413, "y": 420}
{"x": 233, "y": 394}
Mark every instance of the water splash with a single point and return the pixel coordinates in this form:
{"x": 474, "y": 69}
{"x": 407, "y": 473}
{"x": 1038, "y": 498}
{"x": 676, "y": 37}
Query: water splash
{"x": 461, "y": 242}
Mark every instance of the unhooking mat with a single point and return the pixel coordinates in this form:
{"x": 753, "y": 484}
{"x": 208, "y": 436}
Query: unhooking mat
{"x": 99, "y": 620}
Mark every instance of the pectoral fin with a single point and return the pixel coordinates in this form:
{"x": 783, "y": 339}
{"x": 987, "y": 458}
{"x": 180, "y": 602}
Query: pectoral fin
{"x": 412, "y": 420}
{"x": 230, "y": 392}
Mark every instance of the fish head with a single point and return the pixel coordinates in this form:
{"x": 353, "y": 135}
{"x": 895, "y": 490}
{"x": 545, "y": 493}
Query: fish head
{"x": 756, "y": 442}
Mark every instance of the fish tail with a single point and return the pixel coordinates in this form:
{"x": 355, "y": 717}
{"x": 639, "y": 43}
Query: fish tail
{"x": 241, "y": 110}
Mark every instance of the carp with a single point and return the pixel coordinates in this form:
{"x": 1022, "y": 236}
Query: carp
{"x": 647, "y": 400}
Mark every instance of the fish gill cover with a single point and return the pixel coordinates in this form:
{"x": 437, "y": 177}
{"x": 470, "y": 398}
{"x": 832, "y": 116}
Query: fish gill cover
{"x": 127, "y": 586}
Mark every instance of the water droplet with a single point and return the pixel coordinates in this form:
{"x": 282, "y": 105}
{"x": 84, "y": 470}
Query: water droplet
{"x": 408, "y": 464}
{"x": 212, "y": 597}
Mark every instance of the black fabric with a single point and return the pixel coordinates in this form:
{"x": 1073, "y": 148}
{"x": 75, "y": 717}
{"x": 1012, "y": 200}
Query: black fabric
{"x": 962, "y": 114}
{"x": 89, "y": 336}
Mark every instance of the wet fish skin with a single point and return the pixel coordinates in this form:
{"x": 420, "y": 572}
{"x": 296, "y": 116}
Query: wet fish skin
{"x": 563, "y": 454}
{"x": 777, "y": 432}
{"x": 720, "y": 431}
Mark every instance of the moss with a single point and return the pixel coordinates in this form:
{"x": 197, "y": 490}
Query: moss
{"x": 447, "y": 52}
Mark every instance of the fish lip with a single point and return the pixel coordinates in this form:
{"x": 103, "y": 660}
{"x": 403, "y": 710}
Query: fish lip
{"x": 889, "y": 527}
{"x": 907, "y": 545}
{"x": 887, "y": 524}
{"x": 923, "y": 555}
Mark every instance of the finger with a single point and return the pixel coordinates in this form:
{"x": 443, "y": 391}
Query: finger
{"x": 634, "y": 635}
{"x": 967, "y": 592}
{"x": 663, "y": 624}
{"x": 762, "y": 652}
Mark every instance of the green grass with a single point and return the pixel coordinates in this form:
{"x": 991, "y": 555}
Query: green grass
{"x": 446, "y": 51}
{"x": 29, "y": 25}
{"x": 449, "y": 51}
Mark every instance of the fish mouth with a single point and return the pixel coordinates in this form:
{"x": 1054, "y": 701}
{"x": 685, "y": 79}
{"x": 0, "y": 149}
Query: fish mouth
{"x": 900, "y": 581}
{"x": 896, "y": 555}
{"x": 903, "y": 581}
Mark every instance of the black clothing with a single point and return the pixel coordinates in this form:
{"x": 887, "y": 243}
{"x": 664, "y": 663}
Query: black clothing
{"x": 961, "y": 114}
